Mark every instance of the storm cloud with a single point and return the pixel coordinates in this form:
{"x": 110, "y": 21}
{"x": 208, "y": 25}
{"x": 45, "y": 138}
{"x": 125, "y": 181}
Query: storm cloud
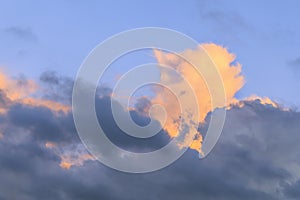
{"x": 257, "y": 156}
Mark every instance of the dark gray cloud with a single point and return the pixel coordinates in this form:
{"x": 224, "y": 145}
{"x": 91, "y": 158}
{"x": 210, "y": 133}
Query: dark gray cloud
{"x": 292, "y": 190}
{"x": 42, "y": 122}
{"x": 56, "y": 87}
{"x": 120, "y": 138}
{"x": 142, "y": 105}
{"x": 257, "y": 157}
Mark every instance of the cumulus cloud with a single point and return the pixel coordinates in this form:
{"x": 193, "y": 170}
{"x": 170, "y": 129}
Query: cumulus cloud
{"x": 41, "y": 156}
{"x": 204, "y": 57}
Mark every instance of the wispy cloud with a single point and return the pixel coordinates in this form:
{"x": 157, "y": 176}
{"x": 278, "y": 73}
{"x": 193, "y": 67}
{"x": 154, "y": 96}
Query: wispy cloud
{"x": 294, "y": 64}
{"x": 22, "y": 33}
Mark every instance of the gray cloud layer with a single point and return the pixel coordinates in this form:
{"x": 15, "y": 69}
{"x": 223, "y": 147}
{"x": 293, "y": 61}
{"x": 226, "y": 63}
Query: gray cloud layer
{"x": 257, "y": 157}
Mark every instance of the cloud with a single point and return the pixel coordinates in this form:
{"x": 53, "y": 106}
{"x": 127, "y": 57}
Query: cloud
{"x": 292, "y": 190}
{"x": 23, "y": 91}
{"x": 294, "y": 64}
{"x": 41, "y": 156}
{"x": 254, "y": 98}
{"x": 143, "y": 105}
{"x": 222, "y": 60}
{"x": 224, "y": 20}
{"x": 120, "y": 138}
{"x": 53, "y": 127}
{"x": 23, "y": 33}
{"x": 255, "y": 158}
{"x": 56, "y": 87}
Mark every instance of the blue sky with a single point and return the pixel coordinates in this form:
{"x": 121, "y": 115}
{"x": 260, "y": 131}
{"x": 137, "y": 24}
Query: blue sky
{"x": 36, "y": 36}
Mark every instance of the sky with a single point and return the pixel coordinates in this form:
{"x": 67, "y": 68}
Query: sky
{"x": 263, "y": 35}
{"x": 255, "y": 46}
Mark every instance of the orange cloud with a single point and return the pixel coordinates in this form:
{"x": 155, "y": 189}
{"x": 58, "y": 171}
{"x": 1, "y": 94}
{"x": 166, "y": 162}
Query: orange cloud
{"x": 25, "y": 92}
{"x": 69, "y": 154}
{"x": 68, "y": 161}
{"x": 52, "y": 105}
{"x": 21, "y": 91}
{"x": 229, "y": 70}
{"x": 65, "y": 165}
{"x": 16, "y": 89}
{"x": 262, "y": 100}
{"x": 50, "y": 145}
